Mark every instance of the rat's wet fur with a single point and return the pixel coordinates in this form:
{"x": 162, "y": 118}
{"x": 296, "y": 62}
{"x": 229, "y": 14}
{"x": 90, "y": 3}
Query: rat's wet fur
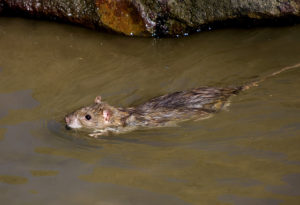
{"x": 165, "y": 110}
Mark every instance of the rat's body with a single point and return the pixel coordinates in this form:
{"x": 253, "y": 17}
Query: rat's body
{"x": 161, "y": 111}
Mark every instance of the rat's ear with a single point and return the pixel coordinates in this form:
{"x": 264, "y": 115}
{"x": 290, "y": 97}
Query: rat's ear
{"x": 106, "y": 115}
{"x": 98, "y": 100}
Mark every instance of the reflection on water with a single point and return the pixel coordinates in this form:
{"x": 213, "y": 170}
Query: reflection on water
{"x": 13, "y": 180}
{"x": 248, "y": 154}
{"x": 40, "y": 173}
{"x": 16, "y": 101}
{"x": 2, "y": 132}
{"x": 233, "y": 199}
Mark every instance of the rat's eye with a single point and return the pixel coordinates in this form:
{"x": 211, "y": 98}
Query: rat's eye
{"x": 88, "y": 117}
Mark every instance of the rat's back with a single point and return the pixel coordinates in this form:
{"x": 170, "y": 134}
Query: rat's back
{"x": 204, "y": 98}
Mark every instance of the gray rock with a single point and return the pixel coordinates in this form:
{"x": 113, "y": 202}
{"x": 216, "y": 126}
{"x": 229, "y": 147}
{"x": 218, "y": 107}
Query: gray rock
{"x": 160, "y": 17}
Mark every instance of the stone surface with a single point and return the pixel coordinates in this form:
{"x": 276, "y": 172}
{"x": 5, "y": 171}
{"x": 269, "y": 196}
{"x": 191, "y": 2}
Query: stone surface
{"x": 177, "y": 16}
{"x": 156, "y": 18}
{"x": 121, "y": 16}
{"x": 74, "y": 11}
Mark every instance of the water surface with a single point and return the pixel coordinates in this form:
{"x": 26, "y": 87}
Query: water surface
{"x": 248, "y": 154}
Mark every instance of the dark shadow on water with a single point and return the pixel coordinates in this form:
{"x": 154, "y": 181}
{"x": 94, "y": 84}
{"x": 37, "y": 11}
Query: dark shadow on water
{"x": 291, "y": 186}
{"x": 241, "y": 200}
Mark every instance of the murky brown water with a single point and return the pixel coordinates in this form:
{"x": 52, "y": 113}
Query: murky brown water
{"x": 249, "y": 154}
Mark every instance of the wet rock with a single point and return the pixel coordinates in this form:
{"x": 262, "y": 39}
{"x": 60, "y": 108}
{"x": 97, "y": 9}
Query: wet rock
{"x": 121, "y": 16}
{"x": 172, "y": 17}
{"x": 157, "y": 17}
{"x": 74, "y": 11}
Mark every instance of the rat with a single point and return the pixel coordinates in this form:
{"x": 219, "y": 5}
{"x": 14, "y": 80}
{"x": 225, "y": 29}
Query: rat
{"x": 166, "y": 110}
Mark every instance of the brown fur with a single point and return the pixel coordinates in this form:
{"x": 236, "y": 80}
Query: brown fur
{"x": 164, "y": 110}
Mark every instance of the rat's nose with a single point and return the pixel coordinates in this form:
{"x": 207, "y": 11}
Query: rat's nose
{"x": 68, "y": 120}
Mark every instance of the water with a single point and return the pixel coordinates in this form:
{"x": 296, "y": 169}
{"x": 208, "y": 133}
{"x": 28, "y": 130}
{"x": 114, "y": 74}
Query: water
{"x": 248, "y": 154}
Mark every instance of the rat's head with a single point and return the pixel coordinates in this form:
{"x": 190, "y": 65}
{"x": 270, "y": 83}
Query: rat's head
{"x": 97, "y": 115}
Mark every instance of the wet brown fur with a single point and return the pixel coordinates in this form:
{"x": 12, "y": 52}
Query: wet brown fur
{"x": 160, "y": 111}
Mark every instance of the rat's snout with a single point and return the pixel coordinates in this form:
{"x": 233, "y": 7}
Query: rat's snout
{"x": 72, "y": 122}
{"x": 68, "y": 119}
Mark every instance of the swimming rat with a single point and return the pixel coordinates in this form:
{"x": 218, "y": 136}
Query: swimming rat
{"x": 165, "y": 110}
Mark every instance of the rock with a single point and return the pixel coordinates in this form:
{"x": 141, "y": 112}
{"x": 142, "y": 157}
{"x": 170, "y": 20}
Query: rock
{"x": 173, "y": 17}
{"x": 156, "y": 17}
{"x": 121, "y": 16}
{"x": 74, "y": 11}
